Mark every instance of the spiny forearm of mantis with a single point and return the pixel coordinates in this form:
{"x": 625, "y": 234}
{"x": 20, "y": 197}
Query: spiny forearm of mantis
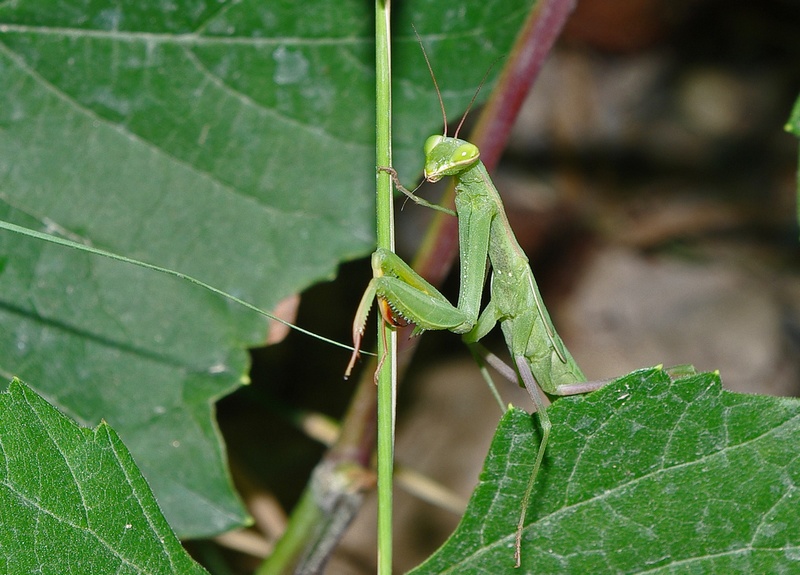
{"x": 96, "y": 251}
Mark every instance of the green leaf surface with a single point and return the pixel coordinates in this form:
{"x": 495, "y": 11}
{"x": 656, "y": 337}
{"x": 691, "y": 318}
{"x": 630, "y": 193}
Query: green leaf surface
{"x": 646, "y": 475}
{"x": 72, "y": 499}
{"x": 793, "y": 125}
{"x": 232, "y": 141}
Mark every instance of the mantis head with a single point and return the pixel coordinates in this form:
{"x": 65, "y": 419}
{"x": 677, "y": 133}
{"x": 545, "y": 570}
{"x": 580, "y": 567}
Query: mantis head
{"x": 446, "y": 156}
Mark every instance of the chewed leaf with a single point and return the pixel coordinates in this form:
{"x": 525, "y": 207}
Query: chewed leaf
{"x": 646, "y": 474}
{"x": 72, "y": 499}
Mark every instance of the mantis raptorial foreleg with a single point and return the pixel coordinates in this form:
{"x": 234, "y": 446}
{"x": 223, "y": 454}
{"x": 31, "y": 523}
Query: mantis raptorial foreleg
{"x": 411, "y": 195}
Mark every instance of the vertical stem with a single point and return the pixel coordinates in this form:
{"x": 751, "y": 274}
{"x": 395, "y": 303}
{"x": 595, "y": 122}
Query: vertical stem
{"x": 387, "y": 340}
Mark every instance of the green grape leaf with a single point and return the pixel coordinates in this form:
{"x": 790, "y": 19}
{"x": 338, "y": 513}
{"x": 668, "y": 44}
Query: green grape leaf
{"x": 644, "y": 475}
{"x": 231, "y": 141}
{"x": 72, "y": 499}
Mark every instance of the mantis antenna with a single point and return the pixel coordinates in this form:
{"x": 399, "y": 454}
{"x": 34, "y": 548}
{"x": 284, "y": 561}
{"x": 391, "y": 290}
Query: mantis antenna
{"x": 439, "y": 93}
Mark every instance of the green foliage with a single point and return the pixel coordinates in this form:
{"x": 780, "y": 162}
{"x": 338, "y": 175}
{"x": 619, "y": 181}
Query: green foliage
{"x": 646, "y": 474}
{"x": 72, "y": 499}
{"x": 229, "y": 141}
{"x": 793, "y": 127}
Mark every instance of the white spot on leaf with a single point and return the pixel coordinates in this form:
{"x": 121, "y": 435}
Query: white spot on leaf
{"x": 291, "y": 67}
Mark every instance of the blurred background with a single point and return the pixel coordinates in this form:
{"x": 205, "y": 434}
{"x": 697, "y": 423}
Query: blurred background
{"x": 652, "y": 184}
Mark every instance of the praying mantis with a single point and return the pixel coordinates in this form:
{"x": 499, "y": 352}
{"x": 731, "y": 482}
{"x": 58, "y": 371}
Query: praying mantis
{"x": 540, "y": 358}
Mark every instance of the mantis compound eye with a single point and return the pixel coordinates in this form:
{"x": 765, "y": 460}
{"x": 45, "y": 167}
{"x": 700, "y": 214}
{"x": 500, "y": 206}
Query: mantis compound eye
{"x": 431, "y": 143}
{"x": 465, "y": 154}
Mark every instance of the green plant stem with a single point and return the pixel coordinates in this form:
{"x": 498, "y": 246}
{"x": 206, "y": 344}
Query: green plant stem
{"x": 355, "y": 442}
{"x": 305, "y": 515}
{"x": 387, "y": 338}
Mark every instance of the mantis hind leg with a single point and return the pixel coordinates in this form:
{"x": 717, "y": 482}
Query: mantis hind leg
{"x": 539, "y": 400}
{"x": 544, "y": 421}
{"x": 582, "y": 387}
{"x": 523, "y": 372}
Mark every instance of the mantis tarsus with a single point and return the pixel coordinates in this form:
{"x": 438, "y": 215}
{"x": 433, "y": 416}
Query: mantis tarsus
{"x": 540, "y": 358}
